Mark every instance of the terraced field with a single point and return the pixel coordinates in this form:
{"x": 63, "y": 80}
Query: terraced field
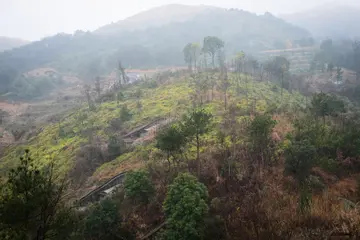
{"x": 300, "y": 58}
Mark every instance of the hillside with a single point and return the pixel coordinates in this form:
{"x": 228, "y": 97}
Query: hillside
{"x": 332, "y": 20}
{"x": 62, "y": 142}
{"x": 91, "y": 54}
{"x": 270, "y": 161}
{"x": 7, "y": 43}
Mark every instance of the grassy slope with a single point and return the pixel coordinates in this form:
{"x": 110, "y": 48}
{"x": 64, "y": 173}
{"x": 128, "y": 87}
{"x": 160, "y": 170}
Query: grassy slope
{"x": 168, "y": 99}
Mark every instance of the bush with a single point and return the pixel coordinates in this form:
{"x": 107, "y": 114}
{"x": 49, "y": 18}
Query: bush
{"x": 185, "y": 208}
{"x": 88, "y": 158}
{"x": 138, "y": 186}
{"x": 115, "y": 147}
{"x": 260, "y": 136}
{"x": 103, "y": 222}
{"x": 125, "y": 114}
{"x": 171, "y": 140}
{"x": 300, "y": 158}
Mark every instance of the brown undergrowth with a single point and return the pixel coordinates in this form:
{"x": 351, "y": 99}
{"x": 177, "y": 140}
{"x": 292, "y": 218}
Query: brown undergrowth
{"x": 264, "y": 206}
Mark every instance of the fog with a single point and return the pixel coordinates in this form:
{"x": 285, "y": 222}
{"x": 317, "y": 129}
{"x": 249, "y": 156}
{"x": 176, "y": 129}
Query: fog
{"x": 34, "y": 19}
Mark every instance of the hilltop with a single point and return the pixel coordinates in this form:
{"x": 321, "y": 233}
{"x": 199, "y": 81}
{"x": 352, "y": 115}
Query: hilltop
{"x": 155, "y": 17}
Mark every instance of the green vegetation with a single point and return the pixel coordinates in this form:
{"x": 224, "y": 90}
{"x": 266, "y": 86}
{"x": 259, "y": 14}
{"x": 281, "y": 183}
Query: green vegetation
{"x": 91, "y": 54}
{"x": 31, "y": 205}
{"x": 138, "y": 186}
{"x": 195, "y": 125}
{"x": 185, "y": 207}
{"x": 102, "y": 222}
{"x": 171, "y": 140}
{"x": 261, "y": 153}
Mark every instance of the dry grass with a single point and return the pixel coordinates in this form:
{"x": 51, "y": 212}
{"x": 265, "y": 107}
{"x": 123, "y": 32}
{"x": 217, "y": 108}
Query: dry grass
{"x": 283, "y": 125}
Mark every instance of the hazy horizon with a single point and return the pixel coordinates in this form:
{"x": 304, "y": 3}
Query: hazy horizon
{"x": 33, "y": 20}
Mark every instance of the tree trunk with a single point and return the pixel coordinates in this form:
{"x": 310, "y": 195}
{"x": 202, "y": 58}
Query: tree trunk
{"x": 168, "y": 159}
{"x": 198, "y": 154}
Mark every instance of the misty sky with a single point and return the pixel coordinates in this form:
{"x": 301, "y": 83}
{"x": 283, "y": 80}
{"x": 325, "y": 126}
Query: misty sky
{"x": 34, "y": 19}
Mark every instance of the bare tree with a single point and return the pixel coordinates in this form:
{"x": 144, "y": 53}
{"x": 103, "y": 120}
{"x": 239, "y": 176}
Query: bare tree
{"x": 87, "y": 92}
{"x": 122, "y": 77}
{"x": 225, "y": 84}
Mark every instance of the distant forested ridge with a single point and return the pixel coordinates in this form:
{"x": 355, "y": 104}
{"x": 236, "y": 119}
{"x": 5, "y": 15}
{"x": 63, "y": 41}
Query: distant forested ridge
{"x": 92, "y": 53}
{"x": 331, "y": 20}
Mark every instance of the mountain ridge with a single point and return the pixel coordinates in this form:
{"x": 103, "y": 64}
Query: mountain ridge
{"x": 332, "y": 20}
{"x": 156, "y": 17}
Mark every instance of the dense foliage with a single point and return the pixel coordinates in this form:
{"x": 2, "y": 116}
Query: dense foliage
{"x": 31, "y": 204}
{"x": 138, "y": 186}
{"x": 185, "y": 208}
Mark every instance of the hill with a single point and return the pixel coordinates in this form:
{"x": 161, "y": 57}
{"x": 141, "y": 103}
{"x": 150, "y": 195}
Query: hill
{"x": 264, "y": 155}
{"x": 156, "y": 17}
{"x": 332, "y": 20}
{"x": 7, "y": 43}
{"x": 70, "y": 138}
{"x": 159, "y": 44}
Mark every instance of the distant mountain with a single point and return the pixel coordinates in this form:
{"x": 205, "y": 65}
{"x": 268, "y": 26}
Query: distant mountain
{"x": 155, "y": 17}
{"x": 149, "y": 39}
{"x": 332, "y": 20}
{"x": 7, "y": 43}
{"x": 179, "y": 24}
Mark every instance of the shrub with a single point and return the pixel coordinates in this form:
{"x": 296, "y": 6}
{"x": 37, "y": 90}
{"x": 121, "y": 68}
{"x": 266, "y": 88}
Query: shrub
{"x": 115, "y": 147}
{"x": 299, "y": 157}
{"x": 125, "y": 114}
{"x": 103, "y": 221}
{"x": 323, "y": 105}
{"x": 171, "y": 140}
{"x": 138, "y": 186}
{"x": 88, "y": 158}
{"x": 185, "y": 208}
{"x": 260, "y": 135}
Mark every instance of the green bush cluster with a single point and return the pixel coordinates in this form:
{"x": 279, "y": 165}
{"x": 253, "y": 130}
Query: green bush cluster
{"x": 138, "y": 186}
{"x": 185, "y": 208}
